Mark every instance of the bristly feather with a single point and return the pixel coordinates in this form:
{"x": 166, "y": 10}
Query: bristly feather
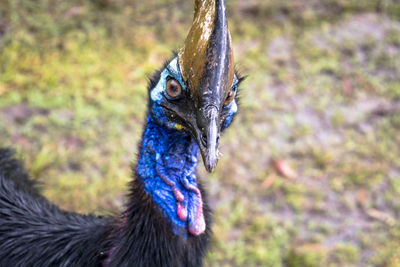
{"x": 33, "y": 232}
{"x": 13, "y": 170}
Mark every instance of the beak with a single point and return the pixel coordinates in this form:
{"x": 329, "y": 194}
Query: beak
{"x": 208, "y": 133}
{"x": 206, "y": 64}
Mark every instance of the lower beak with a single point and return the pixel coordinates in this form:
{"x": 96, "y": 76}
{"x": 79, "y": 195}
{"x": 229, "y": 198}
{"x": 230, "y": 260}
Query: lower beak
{"x": 210, "y": 141}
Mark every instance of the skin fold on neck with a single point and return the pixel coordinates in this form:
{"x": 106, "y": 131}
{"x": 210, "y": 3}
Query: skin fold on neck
{"x": 167, "y": 167}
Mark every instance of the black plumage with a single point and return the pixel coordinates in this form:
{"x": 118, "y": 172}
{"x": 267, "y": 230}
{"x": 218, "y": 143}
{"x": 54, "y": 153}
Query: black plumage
{"x": 34, "y": 232}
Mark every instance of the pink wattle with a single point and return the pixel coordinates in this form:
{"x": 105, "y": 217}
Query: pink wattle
{"x": 182, "y": 212}
{"x": 178, "y": 195}
{"x": 198, "y": 225}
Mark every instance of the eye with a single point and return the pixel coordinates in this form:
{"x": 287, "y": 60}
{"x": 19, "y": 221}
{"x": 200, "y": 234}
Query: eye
{"x": 174, "y": 88}
{"x": 230, "y": 97}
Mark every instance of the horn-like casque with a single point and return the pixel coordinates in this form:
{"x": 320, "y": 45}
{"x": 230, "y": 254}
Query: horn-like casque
{"x": 206, "y": 64}
{"x": 206, "y": 60}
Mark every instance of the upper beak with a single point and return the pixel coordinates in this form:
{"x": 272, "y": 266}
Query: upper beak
{"x": 209, "y": 139}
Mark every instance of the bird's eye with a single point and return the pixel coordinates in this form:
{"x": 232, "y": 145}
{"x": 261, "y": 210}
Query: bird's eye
{"x": 174, "y": 88}
{"x": 230, "y": 97}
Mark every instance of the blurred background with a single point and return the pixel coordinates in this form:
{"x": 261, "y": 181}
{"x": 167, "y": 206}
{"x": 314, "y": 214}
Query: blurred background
{"x": 311, "y": 168}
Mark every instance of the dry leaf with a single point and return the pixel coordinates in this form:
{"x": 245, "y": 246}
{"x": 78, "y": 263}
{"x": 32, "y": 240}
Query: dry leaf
{"x": 284, "y": 169}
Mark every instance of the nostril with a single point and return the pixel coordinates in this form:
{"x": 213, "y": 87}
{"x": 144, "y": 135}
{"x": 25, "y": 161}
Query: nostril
{"x": 218, "y": 140}
{"x": 204, "y": 139}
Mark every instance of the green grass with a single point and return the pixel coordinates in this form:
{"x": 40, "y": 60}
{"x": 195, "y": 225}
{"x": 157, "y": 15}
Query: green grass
{"x": 322, "y": 96}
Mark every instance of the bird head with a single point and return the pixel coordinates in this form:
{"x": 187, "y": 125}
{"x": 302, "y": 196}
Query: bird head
{"x": 196, "y": 91}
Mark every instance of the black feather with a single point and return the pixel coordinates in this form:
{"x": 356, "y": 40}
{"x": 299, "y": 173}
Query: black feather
{"x": 34, "y": 232}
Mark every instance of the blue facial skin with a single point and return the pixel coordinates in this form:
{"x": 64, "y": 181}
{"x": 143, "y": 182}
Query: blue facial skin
{"x": 232, "y": 108}
{"x": 167, "y": 162}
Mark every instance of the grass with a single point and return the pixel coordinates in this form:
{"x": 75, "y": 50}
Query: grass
{"x": 322, "y": 97}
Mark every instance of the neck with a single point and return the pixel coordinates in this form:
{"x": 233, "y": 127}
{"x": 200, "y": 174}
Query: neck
{"x": 165, "y": 205}
{"x": 167, "y": 168}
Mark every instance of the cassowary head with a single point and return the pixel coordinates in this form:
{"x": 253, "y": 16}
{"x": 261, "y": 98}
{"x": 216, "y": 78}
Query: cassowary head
{"x": 196, "y": 92}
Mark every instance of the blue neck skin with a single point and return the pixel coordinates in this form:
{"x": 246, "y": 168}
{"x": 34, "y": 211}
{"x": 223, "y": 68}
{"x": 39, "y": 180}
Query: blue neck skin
{"x": 167, "y": 167}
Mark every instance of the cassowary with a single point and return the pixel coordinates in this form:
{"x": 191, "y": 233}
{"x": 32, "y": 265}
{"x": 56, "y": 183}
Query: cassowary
{"x": 167, "y": 221}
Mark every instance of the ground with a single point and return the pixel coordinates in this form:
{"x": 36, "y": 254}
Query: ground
{"x": 310, "y": 174}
